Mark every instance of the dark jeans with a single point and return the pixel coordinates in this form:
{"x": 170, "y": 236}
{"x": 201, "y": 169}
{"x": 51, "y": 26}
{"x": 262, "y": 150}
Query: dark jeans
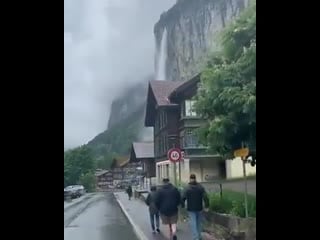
{"x": 152, "y": 217}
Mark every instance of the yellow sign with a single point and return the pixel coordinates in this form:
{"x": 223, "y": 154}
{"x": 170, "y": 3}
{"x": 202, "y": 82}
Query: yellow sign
{"x": 242, "y": 152}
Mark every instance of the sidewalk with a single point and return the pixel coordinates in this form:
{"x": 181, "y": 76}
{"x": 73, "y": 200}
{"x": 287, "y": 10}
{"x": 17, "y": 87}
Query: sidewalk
{"x": 138, "y": 215}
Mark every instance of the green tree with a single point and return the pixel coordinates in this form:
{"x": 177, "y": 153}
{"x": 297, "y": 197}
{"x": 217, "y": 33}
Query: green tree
{"x": 77, "y": 162}
{"x": 88, "y": 180}
{"x": 227, "y": 96}
{"x": 104, "y": 162}
{"x": 117, "y": 140}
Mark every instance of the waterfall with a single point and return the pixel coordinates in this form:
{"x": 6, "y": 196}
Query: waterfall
{"x": 162, "y": 58}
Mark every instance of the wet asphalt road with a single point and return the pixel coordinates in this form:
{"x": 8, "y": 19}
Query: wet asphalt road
{"x": 98, "y": 217}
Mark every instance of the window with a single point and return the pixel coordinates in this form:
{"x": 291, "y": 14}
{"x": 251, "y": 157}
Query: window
{"x": 160, "y": 145}
{"x": 156, "y": 146}
{"x": 189, "y": 108}
{"x": 182, "y": 110}
{"x": 156, "y": 125}
{"x": 165, "y": 143}
{"x": 163, "y": 119}
{"x": 189, "y": 139}
{"x": 182, "y": 139}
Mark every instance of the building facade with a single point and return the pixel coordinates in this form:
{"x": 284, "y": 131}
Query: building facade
{"x": 143, "y": 152}
{"x": 104, "y": 179}
{"x": 170, "y": 112}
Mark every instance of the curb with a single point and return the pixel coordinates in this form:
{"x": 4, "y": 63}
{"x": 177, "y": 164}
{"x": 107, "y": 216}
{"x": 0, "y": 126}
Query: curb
{"x": 137, "y": 230}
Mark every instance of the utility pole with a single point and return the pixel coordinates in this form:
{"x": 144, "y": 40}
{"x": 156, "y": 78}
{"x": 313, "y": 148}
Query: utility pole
{"x": 245, "y": 183}
{"x": 243, "y": 154}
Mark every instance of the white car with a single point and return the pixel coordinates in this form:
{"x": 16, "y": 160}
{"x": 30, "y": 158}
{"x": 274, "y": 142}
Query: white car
{"x": 74, "y": 191}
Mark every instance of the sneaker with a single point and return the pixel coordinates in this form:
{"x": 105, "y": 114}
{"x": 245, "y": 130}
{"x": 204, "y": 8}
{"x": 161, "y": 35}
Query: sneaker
{"x": 153, "y": 231}
{"x": 158, "y": 230}
{"x": 174, "y": 237}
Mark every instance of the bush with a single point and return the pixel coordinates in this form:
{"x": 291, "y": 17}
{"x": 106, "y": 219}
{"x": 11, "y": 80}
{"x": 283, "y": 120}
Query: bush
{"x": 88, "y": 180}
{"x": 232, "y": 203}
{"x": 220, "y": 205}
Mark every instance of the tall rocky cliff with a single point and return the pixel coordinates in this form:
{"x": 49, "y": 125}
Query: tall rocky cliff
{"x": 128, "y": 103}
{"x": 125, "y": 123}
{"x": 192, "y": 27}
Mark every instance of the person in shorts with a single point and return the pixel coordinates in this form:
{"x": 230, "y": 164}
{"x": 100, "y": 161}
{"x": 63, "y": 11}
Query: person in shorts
{"x": 167, "y": 201}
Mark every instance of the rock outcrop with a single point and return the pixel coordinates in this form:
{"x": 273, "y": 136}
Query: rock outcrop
{"x": 192, "y": 32}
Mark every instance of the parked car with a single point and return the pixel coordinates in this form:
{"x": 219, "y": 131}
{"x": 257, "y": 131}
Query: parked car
{"x": 74, "y": 191}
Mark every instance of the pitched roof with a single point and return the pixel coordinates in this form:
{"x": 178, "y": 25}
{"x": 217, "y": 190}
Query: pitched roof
{"x": 143, "y": 149}
{"x": 162, "y": 89}
{"x": 99, "y": 173}
{"x": 158, "y": 96}
{"x": 119, "y": 161}
{"x": 192, "y": 83}
{"x": 124, "y": 163}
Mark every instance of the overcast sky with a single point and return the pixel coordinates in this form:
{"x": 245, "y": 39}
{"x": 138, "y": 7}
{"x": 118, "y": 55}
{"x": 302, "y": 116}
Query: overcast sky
{"x": 108, "y": 44}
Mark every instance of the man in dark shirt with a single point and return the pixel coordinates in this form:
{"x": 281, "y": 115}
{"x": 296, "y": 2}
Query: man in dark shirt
{"x": 153, "y": 211}
{"x": 195, "y": 195}
{"x": 167, "y": 201}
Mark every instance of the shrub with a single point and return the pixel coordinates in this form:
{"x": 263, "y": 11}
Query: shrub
{"x": 88, "y": 180}
{"x": 220, "y": 205}
{"x": 232, "y": 203}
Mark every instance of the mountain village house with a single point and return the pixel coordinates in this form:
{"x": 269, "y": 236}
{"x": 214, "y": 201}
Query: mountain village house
{"x": 104, "y": 179}
{"x": 143, "y": 152}
{"x": 170, "y": 112}
{"x": 125, "y": 171}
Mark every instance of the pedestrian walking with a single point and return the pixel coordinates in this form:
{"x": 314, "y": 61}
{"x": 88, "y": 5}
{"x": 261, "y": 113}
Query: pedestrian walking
{"x": 195, "y": 195}
{"x": 153, "y": 210}
{"x": 129, "y": 191}
{"x": 167, "y": 201}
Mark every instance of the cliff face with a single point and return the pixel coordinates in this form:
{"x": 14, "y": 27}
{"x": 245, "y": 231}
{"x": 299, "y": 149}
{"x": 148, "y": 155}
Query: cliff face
{"x": 192, "y": 27}
{"x": 125, "y": 123}
{"x": 129, "y": 102}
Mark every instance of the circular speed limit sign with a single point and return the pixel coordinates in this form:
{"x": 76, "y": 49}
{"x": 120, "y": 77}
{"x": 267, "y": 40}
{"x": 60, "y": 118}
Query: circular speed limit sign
{"x": 174, "y": 155}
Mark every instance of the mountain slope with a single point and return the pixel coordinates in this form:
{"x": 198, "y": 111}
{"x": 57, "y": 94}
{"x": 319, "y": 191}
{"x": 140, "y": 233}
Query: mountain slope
{"x": 192, "y": 27}
{"x": 125, "y": 125}
{"x": 118, "y": 138}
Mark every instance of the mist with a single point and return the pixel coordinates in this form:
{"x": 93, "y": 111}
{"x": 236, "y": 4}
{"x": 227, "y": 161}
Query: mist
{"x": 108, "y": 45}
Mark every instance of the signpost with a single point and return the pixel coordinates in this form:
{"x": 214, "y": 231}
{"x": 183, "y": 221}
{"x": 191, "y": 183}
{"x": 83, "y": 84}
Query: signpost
{"x": 174, "y": 155}
{"x": 243, "y": 153}
{"x": 182, "y": 159}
